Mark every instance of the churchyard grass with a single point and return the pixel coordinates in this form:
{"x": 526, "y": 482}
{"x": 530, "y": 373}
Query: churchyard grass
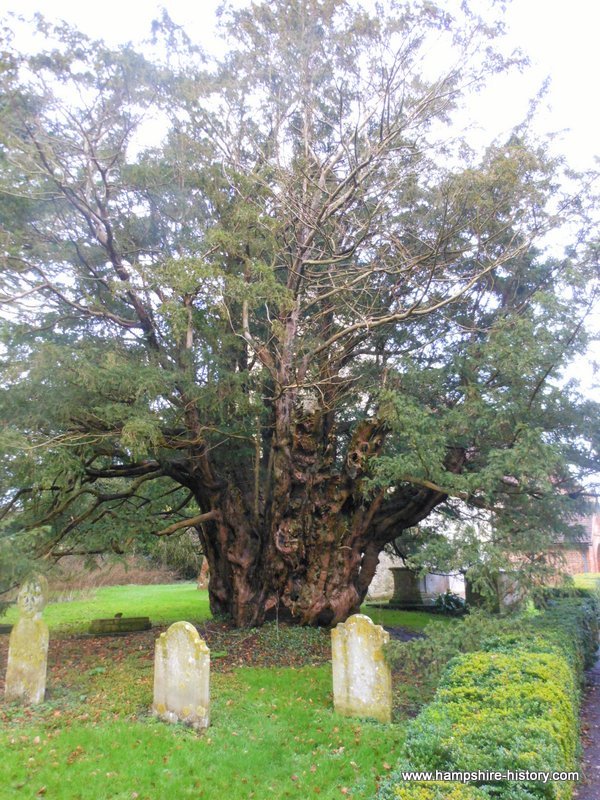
{"x": 163, "y": 603}
{"x": 414, "y": 621}
{"x": 273, "y": 729}
{"x": 273, "y": 734}
{"x": 587, "y": 580}
{"x": 171, "y": 602}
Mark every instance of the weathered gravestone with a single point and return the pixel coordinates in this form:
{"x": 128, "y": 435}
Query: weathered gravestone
{"x": 181, "y": 676}
{"x": 362, "y": 680}
{"x": 28, "y": 645}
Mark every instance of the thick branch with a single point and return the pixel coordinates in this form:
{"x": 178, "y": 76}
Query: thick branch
{"x": 191, "y": 522}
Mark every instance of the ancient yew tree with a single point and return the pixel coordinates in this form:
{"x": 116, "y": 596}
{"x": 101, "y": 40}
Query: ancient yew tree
{"x": 278, "y": 298}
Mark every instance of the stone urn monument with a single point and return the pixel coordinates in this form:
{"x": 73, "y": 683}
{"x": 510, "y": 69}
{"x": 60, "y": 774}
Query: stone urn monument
{"x": 407, "y": 588}
{"x": 414, "y": 591}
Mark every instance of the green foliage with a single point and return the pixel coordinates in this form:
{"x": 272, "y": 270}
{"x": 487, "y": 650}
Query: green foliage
{"x": 449, "y": 603}
{"x": 495, "y": 711}
{"x": 574, "y": 626}
{"x": 429, "y": 656}
{"x": 549, "y": 594}
{"x": 181, "y": 552}
{"x": 296, "y": 239}
{"x": 16, "y": 565}
{"x": 588, "y": 580}
{"x": 509, "y": 703}
{"x": 568, "y": 627}
{"x": 430, "y": 790}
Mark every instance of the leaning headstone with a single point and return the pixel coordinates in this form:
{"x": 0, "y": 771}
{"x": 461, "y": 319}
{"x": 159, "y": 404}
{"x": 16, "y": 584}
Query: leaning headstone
{"x": 362, "y": 679}
{"x": 28, "y": 646}
{"x": 182, "y": 676}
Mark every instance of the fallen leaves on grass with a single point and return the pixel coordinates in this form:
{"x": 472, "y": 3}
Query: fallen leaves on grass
{"x": 75, "y": 754}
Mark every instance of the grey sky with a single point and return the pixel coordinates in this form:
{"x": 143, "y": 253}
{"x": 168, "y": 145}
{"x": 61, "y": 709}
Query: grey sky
{"x": 559, "y": 37}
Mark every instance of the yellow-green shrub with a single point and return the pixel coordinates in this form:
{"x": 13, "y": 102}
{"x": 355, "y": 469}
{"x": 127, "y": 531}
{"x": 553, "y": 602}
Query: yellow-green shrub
{"x": 512, "y": 705}
{"x": 499, "y": 712}
{"x": 434, "y": 790}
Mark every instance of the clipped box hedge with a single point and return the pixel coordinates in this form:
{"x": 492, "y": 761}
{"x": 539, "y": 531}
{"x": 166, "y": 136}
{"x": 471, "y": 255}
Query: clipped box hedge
{"x": 432, "y": 790}
{"x": 511, "y": 705}
{"x": 500, "y": 711}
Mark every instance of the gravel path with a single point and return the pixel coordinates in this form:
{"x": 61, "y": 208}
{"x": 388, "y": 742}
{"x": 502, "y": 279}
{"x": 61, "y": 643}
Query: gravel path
{"x": 590, "y": 788}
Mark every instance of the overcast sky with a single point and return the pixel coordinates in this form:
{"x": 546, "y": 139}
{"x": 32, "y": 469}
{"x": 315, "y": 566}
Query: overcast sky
{"x": 560, "y": 37}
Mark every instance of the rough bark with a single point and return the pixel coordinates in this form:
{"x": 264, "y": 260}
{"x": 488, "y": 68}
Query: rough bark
{"x": 311, "y": 553}
{"x": 320, "y": 579}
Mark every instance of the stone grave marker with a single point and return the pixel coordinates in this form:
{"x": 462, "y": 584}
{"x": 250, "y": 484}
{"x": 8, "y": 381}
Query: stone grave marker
{"x": 28, "y": 645}
{"x": 182, "y": 676}
{"x": 362, "y": 679}
{"x": 119, "y": 624}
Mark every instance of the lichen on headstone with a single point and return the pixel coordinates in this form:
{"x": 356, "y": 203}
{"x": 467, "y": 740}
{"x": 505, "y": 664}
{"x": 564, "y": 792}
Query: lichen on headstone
{"x": 362, "y": 680}
{"x": 182, "y": 676}
{"x": 28, "y": 645}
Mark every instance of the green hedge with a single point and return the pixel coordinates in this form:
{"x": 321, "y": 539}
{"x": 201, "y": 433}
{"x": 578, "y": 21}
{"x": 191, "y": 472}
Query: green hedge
{"x": 568, "y": 627}
{"x": 567, "y": 624}
{"x": 573, "y": 624}
{"x": 511, "y": 705}
{"x": 549, "y": 593}
{"x": 500, "y": 711}
{"x": 433, "y": 790}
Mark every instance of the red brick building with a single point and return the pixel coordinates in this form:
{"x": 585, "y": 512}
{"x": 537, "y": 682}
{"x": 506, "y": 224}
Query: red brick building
{"x": 582, "y": 556}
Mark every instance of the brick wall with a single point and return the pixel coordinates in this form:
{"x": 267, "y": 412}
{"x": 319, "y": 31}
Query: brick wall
{"x": 577, "y": 561}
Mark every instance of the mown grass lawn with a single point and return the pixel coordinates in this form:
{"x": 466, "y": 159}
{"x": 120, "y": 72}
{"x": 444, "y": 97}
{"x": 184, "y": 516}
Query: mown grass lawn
{"x": 273, "y": 732}
{"x": 415, "y": 621}
{"x": 588, "y": 580}
{"x": 166, "y": 603}
{"x": 163, "y": 603}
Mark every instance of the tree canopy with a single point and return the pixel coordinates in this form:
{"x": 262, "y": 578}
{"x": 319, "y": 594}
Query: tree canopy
{"x": 306, "y": 318}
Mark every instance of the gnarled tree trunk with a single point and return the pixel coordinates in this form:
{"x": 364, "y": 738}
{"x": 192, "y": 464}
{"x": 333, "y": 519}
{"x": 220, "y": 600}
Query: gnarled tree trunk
{"x": 310, "y": 553}
{"x": 320, "y": 578}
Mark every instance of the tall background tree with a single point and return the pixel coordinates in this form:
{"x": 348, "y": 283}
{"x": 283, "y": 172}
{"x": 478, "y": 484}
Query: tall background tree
{"x": 306, "y": 319}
